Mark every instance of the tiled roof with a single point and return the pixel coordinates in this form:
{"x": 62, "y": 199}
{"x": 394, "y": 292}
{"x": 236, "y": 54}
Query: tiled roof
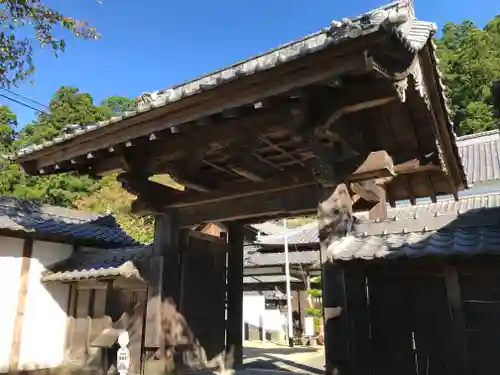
{"x": 308, "y": 234}
{"x": 480, "y": 234}
{"x": 396, "y": 18}
{"x": 58, "y": 222}
{"x": 271, "y": 259}
{"x": 469, "y": 226}
{"x": 99, "y": 263}
{"x": 480, "y": 155}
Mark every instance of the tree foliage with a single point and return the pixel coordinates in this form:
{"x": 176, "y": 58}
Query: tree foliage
{"x": 26, "y": 17}
{"x": 110, "y": 198}
{"x": 470, "y": 62}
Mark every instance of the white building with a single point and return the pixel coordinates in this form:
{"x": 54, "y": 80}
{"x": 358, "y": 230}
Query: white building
{"x": 33, "y": 315}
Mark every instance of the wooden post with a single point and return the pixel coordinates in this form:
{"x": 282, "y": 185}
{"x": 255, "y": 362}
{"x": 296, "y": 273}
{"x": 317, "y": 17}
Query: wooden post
{"x": 234, "y": 331}
{"x": 15, "y": 349}
{"x": 335, "y": 319}
{"x": 163, "y": 279}
{"x": 334, "y": 220}
{"x": 453, "y": 293}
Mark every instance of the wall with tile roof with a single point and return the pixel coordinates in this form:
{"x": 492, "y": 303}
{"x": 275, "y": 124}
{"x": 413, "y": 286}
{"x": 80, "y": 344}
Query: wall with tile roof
{"x": 23, "y": 217}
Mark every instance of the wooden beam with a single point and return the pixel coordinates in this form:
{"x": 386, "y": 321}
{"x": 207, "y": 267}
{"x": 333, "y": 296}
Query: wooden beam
{"x": 368, "y": 190}
{"x": 371, "y": 192}
{"x": 299, "y": 197}
{"x": 234, "y": 330}
{"x": 297, "y": 73}
{"x": 289, "y": 202}
{"x": 377, "y": 165}
{"x": 15, "y": 348}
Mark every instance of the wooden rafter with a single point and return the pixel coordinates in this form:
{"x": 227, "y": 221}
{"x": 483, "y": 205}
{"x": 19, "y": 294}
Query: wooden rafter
{"x": 296, "y": 74}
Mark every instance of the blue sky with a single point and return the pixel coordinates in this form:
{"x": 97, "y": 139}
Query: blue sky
{"x": 148, "y": 45}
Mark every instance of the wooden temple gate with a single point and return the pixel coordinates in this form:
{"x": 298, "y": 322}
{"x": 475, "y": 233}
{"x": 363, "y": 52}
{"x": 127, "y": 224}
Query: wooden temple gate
{"x": 346, "y": 119}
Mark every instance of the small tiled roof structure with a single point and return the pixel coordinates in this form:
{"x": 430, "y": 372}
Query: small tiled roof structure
{"x": 58, "y": 224}
{"x": 100, "y": 263}
{"x": 468, "y": 226}
{"x": 480, "y": 155}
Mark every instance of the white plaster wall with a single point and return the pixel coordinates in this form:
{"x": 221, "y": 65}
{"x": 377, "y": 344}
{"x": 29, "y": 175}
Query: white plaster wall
{"x": 253, "y": 308}
{"x": 44, "y": 325}
{"x": 11, "y": 250}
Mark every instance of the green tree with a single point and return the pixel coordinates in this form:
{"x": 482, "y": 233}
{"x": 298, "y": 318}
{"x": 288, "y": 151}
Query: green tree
{"x": 470, "y": 62}
{"x": 116, "y": 105}
{"x": 16, "y": 43}
{"x": 8, "y": 127}
{"x": 68, "y": 106}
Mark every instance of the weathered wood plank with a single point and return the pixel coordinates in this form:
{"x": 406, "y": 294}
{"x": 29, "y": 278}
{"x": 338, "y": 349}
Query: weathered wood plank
{"x": 80, "y": 340}
{"x": 337, "y": 338}
{"x": 135, "y": 329}
{"x": 454, "y": 299}
{"x": 358, "y": 316}
{"x": 15, "y": 348}
{"x": 163, "y": 277}
{"x": 391, "y": 328}
{"x": 70, "y": 323}
{"x": 234, "y": 330}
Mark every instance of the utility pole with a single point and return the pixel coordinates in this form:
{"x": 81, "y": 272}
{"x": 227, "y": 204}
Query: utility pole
{"x": 288, "y": 288}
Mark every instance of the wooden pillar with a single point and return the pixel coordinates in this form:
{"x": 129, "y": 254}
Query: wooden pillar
{"x": 234, "y": 330}
{"x": 163, "y": 279}
{"x": 15, "y": 349}
{"x": 335, "y": 320}
{"x": 459, "y": 337}
{"x": 82, "y": 324}
{"x": 334, "y": 221}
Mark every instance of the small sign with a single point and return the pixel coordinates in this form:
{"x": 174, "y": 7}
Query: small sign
{"x": 123, "y": 360}
{"x": 123, "y": 355}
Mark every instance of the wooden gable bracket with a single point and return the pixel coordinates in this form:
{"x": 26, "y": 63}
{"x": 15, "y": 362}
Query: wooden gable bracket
{"x": 314, "y": 116}
{"x": 371, "y": 192}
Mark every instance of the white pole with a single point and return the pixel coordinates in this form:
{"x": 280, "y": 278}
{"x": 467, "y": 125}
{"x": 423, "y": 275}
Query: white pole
{"x": 288, "y": 288}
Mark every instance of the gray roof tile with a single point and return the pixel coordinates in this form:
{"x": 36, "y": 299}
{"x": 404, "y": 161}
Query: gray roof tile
{"x": 480, "y": 155}
{"x": 99, "y": 263}
{"x": 70, "y": 225}
{"x": 439, "y": 243}
{"x": 403, "y": 217}
{"x": 270, "y": 259}
{"x": 469, "y": 226}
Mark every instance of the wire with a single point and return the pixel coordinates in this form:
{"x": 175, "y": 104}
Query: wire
{"x": 24, "y": 97}
{"x": 24, "y": 104}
